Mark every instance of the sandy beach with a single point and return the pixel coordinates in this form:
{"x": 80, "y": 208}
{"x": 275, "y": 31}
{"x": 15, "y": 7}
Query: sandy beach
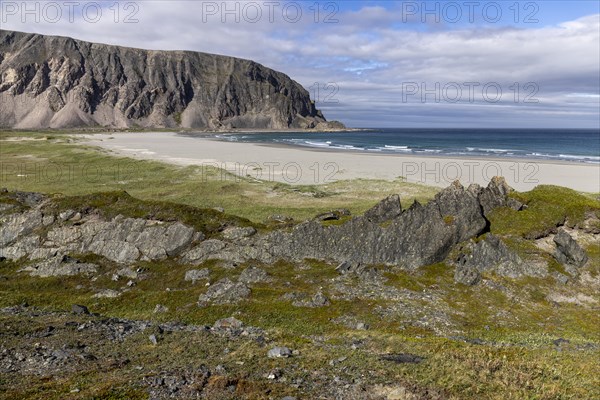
{"x": 314, "y": 166}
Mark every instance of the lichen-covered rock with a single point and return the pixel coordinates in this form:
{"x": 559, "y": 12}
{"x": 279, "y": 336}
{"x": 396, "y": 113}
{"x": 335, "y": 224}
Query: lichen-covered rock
{"x": 107, "y": 294}
{"x": 279, "y": 352}
{"x": 17, "y": 225}
{"x": 194, "y": 275}
{"x": 568, "y": 250}
{"x": 254, "y": 275}
{"x": 202, "y": 251}
{"x": 467, "y": 275}
{"x": 123, "y": 240}
{"x": 237, "y": 233}
{"x": 23, "y": 247}
{"x": 224, "y": 291}
{"x": 60, "y": 266}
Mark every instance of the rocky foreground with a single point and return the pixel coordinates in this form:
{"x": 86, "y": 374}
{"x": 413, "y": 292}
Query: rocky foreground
{"x": 105, "y": 255}
{"x": 59, "y": 82}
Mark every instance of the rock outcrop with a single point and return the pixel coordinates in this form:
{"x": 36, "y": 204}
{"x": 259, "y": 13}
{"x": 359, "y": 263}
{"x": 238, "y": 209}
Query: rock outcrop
{"x": 492, "y": 254}
{"x": 421, "y": 235}
{"x": 386, "y": 234}
{"x": 568, "y": 251}
{"x": 59, "y": 82}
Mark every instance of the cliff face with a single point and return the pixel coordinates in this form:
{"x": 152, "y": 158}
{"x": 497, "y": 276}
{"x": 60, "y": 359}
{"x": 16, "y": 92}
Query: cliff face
{"x": 59, "y": 82}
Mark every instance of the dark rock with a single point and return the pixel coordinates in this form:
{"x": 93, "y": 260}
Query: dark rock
{"x": 402, "y": 358}
{"x": 491, "y": 254}
{"x": 328, "y": 216}
{"x": 422, "y": 235}
{"x": 495, "y": 195}
{"x": 79, "y": 309}
{"x": 386, "y": 210}
{"x": 568, "y": 250}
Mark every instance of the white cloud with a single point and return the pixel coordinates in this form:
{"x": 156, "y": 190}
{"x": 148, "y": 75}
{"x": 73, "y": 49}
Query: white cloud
{"x": 370, "y": 53}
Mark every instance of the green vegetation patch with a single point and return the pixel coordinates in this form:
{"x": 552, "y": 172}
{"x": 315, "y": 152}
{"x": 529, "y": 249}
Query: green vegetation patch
{"x": 547, "y": 207}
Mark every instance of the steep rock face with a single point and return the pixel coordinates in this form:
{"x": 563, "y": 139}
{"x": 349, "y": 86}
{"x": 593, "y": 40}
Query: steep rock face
{"x": 59, "y": 82}
{"x": 421, "y": 235}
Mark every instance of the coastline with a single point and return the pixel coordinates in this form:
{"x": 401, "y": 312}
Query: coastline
{"x": 306, "y": 165}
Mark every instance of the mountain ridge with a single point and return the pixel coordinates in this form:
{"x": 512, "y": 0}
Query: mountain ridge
{"x": 61, "y": 82}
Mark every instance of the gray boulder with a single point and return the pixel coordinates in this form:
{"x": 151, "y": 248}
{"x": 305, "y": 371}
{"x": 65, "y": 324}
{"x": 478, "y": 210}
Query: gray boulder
{"x": 203, "y": 251}
{"x": 279, "y": 352}
{"x": 224, "y": 292}
{"x": 79, "y": 309}
{"x": 237, "y": 233}
{"x": 467, "y": 275}
{"x": 568, "y": 250}
{"x": 194, "y": 275}
{"x": 254, "y": 275}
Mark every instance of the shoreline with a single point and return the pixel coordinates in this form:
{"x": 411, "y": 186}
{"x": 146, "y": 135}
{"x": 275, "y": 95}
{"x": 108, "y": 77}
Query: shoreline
{"x": 306, "y": 165}
{"x": 425, "y": 156}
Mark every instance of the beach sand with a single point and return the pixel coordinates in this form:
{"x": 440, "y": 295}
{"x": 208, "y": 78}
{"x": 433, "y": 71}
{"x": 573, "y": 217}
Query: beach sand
{"x": 296, "y": 165}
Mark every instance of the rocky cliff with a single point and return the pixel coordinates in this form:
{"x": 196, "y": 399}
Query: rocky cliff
{"x": 59, "y": 82}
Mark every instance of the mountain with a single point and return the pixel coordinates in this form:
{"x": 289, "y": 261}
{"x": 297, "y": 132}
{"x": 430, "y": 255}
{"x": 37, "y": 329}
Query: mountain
{"x": 60, "y": 82}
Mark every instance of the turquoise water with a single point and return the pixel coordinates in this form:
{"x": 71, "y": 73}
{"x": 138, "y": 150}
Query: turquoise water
{"x": 565, "y": 144}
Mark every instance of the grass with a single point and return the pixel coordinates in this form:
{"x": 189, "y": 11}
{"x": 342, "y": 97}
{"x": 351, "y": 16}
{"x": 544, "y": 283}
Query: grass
{"x": 547, "y": 207}
{"x": 514, "y": 319}
{"x": 53, "y": 162}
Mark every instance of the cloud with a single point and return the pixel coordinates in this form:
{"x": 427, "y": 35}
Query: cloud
{"x": 371, "y": 54}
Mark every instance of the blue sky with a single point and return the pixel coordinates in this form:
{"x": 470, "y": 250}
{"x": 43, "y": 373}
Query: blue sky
{"x": 382, "y": 63}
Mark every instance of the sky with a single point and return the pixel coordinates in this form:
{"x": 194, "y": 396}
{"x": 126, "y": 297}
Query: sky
{"x": 499, "y": 64}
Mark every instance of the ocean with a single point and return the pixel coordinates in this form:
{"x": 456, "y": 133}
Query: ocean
{"x": 575, "y": 145}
